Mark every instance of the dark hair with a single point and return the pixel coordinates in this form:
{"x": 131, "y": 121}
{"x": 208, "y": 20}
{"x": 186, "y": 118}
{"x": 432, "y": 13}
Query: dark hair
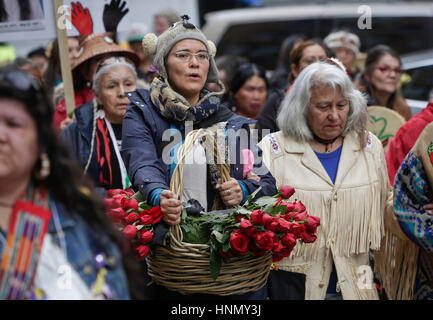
{"x": 245, "y": 72}
{"x": 37, "y": 52}
{"x": 280, "y": 77}
{"x": 376, "y": 53}
{"x": 373, "y": 57}
{"x": 66, "y": 181}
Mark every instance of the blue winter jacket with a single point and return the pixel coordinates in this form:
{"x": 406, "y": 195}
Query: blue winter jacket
{"x": 142, "y": 148}
{"x": 78, "y": 136}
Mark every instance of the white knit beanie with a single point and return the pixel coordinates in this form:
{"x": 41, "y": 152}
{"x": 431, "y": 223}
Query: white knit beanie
{"x": 159, "y": 47}
{"x": 343, "y": 39}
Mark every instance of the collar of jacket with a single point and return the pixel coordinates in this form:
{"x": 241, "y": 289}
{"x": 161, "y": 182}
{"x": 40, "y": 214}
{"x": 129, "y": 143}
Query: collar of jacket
{"x": 84, "y": 119}
{"x": 349, "y": 155}
{"x": 297, "y": 146}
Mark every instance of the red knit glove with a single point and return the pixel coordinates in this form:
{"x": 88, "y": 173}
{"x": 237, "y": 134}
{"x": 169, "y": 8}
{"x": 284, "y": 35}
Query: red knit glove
{"x": 81, "y": 19}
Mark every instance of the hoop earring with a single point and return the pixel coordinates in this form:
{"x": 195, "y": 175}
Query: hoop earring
{"x": 45, "y": 170}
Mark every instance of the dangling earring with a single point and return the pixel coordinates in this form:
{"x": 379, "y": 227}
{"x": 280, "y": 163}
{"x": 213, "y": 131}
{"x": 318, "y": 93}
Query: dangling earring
{"x": 45, "y": 170}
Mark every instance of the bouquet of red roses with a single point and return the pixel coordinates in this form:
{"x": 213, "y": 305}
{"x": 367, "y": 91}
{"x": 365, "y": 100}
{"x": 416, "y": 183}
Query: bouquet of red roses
{"x": 268, "y": 224}
{"x": 134, "y": 218}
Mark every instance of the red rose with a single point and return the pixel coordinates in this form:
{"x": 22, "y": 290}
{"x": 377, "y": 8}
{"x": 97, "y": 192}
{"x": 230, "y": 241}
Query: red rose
{"x": 109, "y": 203}
{"x": 142, "y": 251}
{"x": 239, "y": 243}
{"x": 146, "y": 219}
{"x": 301, "y": 216}
{"x": 265, "y": 240}
{"x": 146, "y": 236}
{"x": 312, "y": 223}
{"x": 289, "y": 216}
{"x": 129, "y": 192}
{"x": 297, "y": 229}
{"x": 283, "y": 225}
{"x": 256, "y": 216}
{"x": 118, "y": 199}
{"x": 266, "y": 219}
{"x": 255, "y": 250}
{"x": 287, "y": 192}
{"x": 272, "y": 226}
{"x": 240, "y": 217}
{"x": 131, "y": 218}
{"x": 299, "y": 207}
{"x": 116, "y": 214}
{"x": 156, "y": 214}
{"x": 112, "y": 192}
{"x": 289, "y": 240}
{"x": 226, "y": 255}
{"x": 277, "y": 257}
{"x": 129, "y": 232}
{"x": 130, "y": 203}
{"x": 278, "y": 247}
{"x": 245, "y": 224}
{"x": 307, "y": 237}
{"x": 286, "y": 251}
{"x": 290, "y": 206}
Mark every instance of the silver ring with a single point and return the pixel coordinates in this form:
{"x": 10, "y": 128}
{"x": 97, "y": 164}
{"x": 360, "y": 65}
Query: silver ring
{"x": 228, "y": 191}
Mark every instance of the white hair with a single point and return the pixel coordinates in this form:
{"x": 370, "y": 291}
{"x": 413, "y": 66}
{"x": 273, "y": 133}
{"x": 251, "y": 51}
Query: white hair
{"x": 292, "y": 117}
{"x": 98, "y": 75}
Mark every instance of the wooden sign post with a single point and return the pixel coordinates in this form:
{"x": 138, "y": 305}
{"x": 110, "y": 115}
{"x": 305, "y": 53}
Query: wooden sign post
{"x": 65, "y": 64}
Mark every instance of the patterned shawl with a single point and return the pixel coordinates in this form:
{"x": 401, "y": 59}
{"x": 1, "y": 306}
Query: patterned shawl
{"x": 412, "y": 190}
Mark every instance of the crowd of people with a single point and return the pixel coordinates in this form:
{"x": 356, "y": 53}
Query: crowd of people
{"x": 311, "y": 114}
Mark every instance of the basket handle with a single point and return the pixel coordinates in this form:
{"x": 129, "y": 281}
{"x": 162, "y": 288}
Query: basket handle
{"x": 176, "y": 179}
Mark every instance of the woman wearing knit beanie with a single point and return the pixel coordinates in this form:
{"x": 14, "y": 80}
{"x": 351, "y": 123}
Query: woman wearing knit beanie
{"x": 162, "y": 119}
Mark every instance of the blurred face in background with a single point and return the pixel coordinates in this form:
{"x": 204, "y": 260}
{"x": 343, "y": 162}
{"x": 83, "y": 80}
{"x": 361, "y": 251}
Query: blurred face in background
{"x": 385, "y": 75}
{"x": 251, "y": 97}
{"x": 160, "y": 24}
{"x": 309, "y": 55}
{"x": 73, "y": 47}
{"x": 41, "y": 63}
{"x": 346, "y": 56}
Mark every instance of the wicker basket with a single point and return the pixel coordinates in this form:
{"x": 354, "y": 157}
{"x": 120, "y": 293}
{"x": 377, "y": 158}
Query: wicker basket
{"x": 185, "y": 267}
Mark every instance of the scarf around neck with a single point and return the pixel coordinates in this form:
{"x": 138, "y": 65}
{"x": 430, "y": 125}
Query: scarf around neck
{"x": 173, "y": 106}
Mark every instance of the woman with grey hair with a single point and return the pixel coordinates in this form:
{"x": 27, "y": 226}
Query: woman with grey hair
{"x": 338, "y": 170}
{"x": 95, "y": 138}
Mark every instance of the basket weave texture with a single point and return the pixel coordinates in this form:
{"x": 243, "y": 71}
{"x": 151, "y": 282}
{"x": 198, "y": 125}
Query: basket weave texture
{"x": 185, "y": 267}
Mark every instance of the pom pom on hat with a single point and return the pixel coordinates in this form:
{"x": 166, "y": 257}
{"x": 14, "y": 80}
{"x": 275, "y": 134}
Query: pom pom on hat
{"x": 149, "y": 43}
{"x": 212, "y": 48}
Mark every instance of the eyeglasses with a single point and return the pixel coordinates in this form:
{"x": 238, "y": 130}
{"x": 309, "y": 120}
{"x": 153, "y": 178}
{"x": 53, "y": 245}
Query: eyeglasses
{"x": 111, "y": 60}
{"x": 186, "y": 56}
{"x": 18, "y": 80}
{"x": 387, "y": 70}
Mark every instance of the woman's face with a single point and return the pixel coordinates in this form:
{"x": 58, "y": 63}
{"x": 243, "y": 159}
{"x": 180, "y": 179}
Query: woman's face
{"x": 112, "y": 87}
{"x": 18, "y": 141}
{"x": 187, "y": 74}
{"x": 385, "y": 75}
{"x": 73, "y": 47}
{"x": 250, "y": 98}
{"x": 310, "y": 55}
{"x": 327, "y": 112}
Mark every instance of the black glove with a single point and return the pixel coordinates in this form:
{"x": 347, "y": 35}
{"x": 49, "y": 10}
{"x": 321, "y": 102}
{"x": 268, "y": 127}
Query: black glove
{"x": 193, "y": 208}
{"x": 113, "y": 14}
